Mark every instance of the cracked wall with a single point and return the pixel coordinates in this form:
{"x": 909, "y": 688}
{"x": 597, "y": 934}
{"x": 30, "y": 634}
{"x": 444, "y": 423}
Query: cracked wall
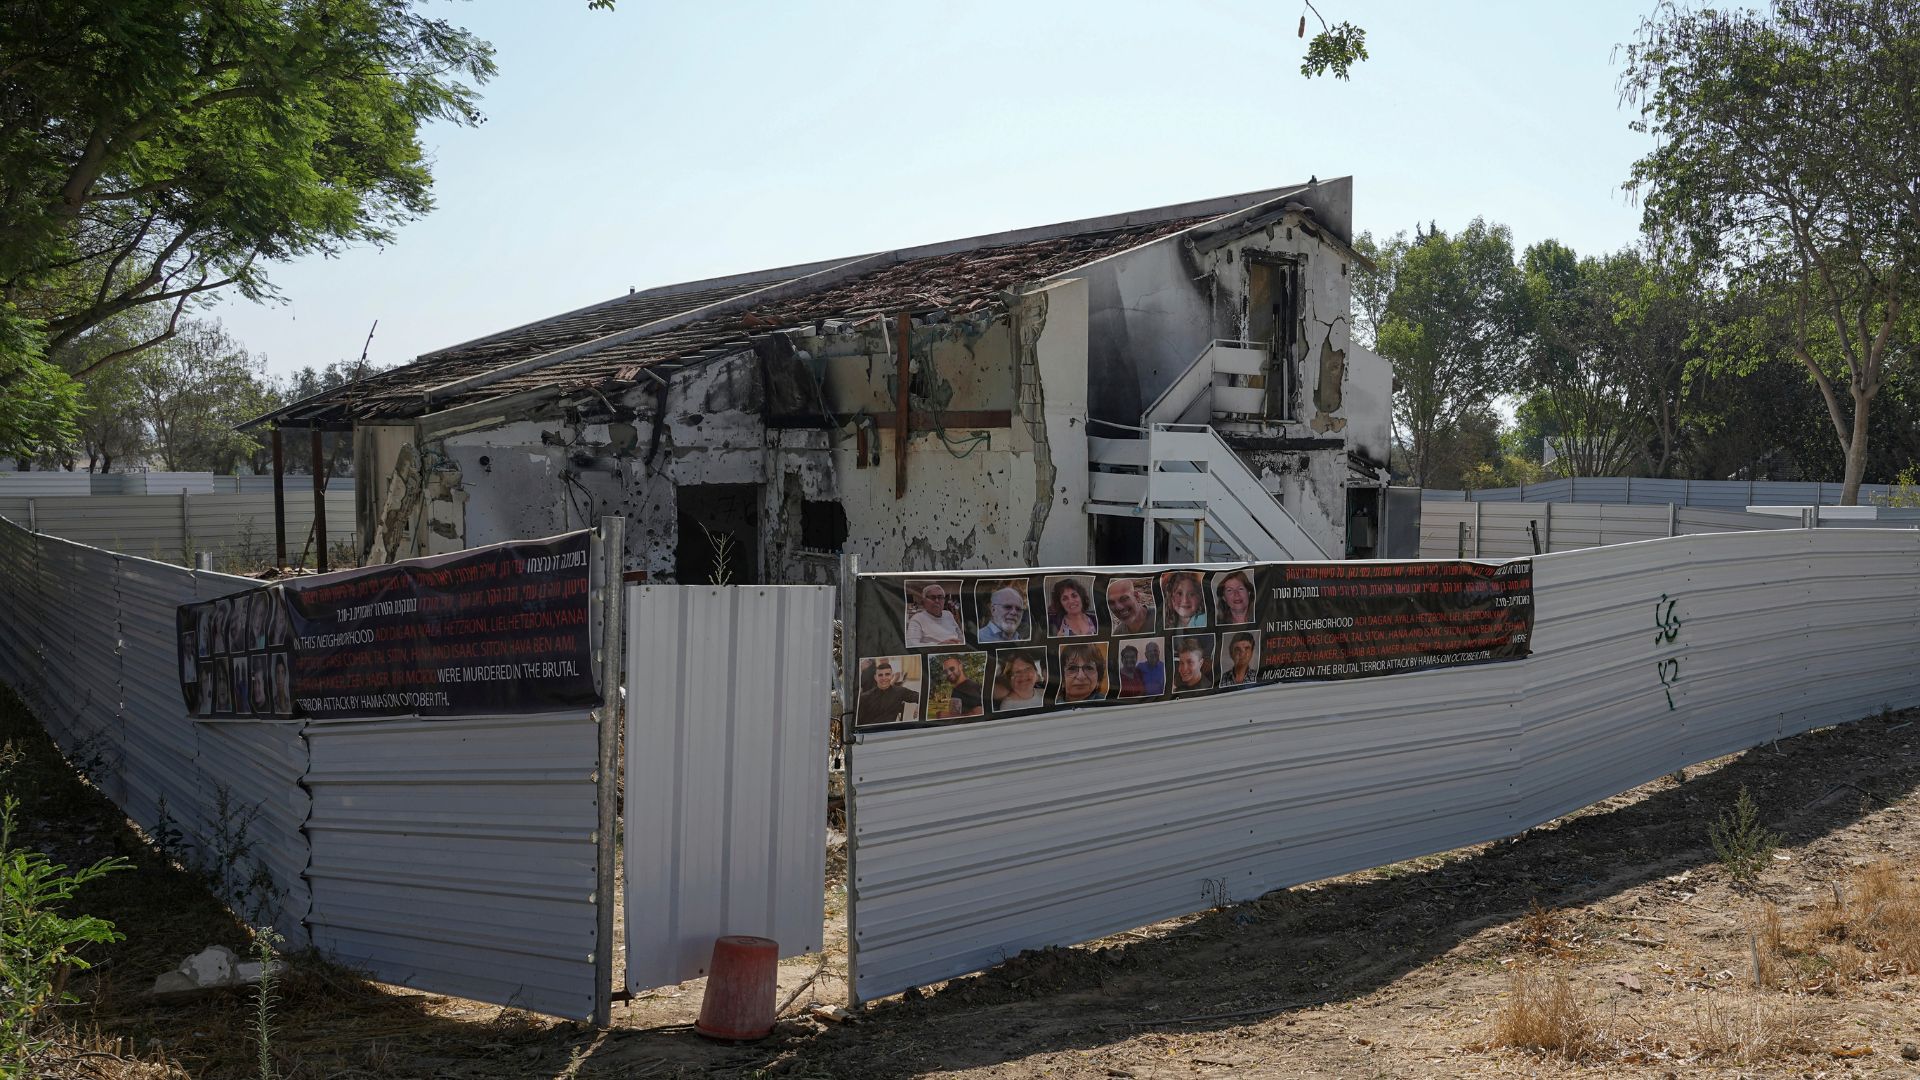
{"x": 786, "y": 418}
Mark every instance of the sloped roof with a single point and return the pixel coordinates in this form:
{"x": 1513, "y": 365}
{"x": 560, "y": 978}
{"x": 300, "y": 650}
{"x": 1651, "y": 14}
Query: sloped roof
{"x": 611, "y": 345}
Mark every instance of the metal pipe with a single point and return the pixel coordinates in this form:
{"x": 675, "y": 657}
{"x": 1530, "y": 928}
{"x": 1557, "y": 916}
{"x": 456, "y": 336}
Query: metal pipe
{"x": 904, "y": 345}
{"x": 279, "y": 501}
{"x": 319, "y": 505}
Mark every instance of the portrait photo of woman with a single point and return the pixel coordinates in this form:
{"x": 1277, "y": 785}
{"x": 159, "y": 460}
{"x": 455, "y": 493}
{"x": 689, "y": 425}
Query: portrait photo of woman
{"x": 1070, "y": 607}
{"x": 1019, "y": 680}
{"x": 1186, "y": 599}
{"x": 1234, "y": 596}
{"x": 1241, "y": 666}
{"x": 282, "y": 686}
{"x": 1083, "y": 673}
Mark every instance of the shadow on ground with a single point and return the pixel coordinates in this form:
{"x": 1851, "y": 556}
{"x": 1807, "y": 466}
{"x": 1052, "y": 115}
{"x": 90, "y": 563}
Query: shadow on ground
{"x": 1294, "y": 949}
{"x": 1324, "y": 943}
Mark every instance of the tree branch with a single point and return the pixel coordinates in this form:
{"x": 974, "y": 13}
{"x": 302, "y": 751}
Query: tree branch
{"x": 173, "y": 327}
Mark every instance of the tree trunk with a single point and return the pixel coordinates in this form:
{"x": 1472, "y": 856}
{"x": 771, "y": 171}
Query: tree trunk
{"x": 1856, "y": 451}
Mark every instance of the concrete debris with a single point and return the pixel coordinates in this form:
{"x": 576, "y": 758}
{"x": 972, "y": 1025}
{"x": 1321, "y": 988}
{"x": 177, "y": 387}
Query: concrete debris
{"x": 830, "y": 1014}
{"x": 212, "y": 968}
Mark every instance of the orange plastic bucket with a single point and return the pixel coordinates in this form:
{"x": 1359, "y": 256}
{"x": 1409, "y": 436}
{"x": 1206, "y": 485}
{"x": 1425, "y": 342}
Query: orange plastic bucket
{"x": 741, "y": 983}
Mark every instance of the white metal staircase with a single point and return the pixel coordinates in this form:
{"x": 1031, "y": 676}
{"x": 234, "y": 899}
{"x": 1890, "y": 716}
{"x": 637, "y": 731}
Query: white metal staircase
{"x": 1177, "y": 475}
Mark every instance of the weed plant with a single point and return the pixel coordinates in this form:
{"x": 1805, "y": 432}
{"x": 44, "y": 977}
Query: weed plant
{"x": 1744, "y": 846}
{"x": 39, "y": 945}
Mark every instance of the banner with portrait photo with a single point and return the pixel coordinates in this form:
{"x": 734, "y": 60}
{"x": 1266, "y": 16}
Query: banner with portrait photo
{"x": 944, "y": 648}
{"x": 492, "y": 631}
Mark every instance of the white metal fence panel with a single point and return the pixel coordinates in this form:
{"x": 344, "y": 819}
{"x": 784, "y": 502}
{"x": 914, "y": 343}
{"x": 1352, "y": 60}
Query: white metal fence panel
{"x": 458, "y": 855}
{"x": 1724, "y": 494}
{"x": 972, "y": 843}
{"x": 236, "y": 528}
{"x": 727, "y": 720}
{"x": 82, "y": 679}
{"x": 1499, "y": 530}
{"x": 35, "y": 484}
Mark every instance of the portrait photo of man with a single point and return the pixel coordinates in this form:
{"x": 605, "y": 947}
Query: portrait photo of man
{"x": 1130, "y": 602}
{"x": 888, "y": 693}
{"x": 1001, "y": 608}
{"x": 1132, "y": 677}
{"x": 1192, "y": 663}
{"x": 1153, "y": 669}
{"x": 930, "y": 616}
{"x": 957, "y": 691}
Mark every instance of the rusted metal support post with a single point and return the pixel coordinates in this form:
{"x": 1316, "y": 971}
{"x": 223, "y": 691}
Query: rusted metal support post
{"x": 609, "y": 569}
{"x": 903, "y": 343}
{"x": 319, "y": 504}
{"x": 279, "y": 501}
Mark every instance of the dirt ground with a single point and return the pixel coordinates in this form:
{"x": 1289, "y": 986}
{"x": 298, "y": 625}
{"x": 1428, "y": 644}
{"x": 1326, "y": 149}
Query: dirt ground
{"x": 1619, "y": 919}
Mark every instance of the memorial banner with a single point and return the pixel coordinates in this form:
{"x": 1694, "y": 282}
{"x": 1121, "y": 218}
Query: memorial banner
{"x": 967, "y": 647}
{"x": 490, "y": 631}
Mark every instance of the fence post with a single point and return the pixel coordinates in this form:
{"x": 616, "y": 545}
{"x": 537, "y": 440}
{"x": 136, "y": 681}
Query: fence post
{"x": 1478, "y": 512}
{"x": 612, "y": 537}
{"x": 33, "y": 515}
{"x": 849, "y": 690}
{"x": 1546, "y": 542}
{"x": 1673, "y": 519}
{"x": 186, "y": 527}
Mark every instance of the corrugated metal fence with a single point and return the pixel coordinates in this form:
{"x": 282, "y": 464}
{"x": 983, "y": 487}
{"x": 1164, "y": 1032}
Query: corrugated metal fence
{"x": 174, "y": 528}
{"x": 1500, "y": 530}
{"x": 454, "y": 856}
{"x": 972, "y": 843}
{"x": 726, "y": 771}
{"x": 1724, "y": 494}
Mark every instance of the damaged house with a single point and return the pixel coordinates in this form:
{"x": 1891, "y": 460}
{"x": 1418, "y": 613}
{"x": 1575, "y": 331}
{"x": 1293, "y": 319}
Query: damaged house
{"x": 1167, "y": 384}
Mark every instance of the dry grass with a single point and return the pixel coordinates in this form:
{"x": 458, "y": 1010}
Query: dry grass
{"x": 1869, "y": 930}
{"x": 1749, "y": 1032}
{"x": 1546, "y": 932}
{"x": 1543, "y": 1015}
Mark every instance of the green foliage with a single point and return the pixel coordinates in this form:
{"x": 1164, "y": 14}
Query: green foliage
{"x": 38, "y": 402}
{"x": 1606, "y": 358}
{"x": 39, "y": 944}
{"x": 1334, "y": 49}
{"x": 1452, "y": 329}
{"x": 1787, "y": 144}
{"x": 1906, "y": 490}
{"x": 1743, "y": 845}
{"x": 192, "y": 391}
{"x": 152, "y": 151}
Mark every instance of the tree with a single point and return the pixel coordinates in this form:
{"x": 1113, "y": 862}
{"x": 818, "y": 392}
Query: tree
{"x": 1789, "y": 161}
{"x": 1451, "y": 330}
{"x": 152, "y": 151}
{"x": 1371, "y": 286}
{"x": 194, "y": 389}
{"x": 1606, "y": 358}
{"x": 38, "y": 401}
{"x": 111, "y": 425}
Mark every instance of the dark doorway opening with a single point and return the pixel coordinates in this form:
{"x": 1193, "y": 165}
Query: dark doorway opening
{"x": 1273, "y": 321}
{"x": 719, "y": 539}
{"x": 1363, "y": 523}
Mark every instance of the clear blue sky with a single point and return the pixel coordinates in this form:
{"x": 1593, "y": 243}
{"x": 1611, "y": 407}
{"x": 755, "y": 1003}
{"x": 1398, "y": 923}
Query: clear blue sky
{"x": 664, "y": 142}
